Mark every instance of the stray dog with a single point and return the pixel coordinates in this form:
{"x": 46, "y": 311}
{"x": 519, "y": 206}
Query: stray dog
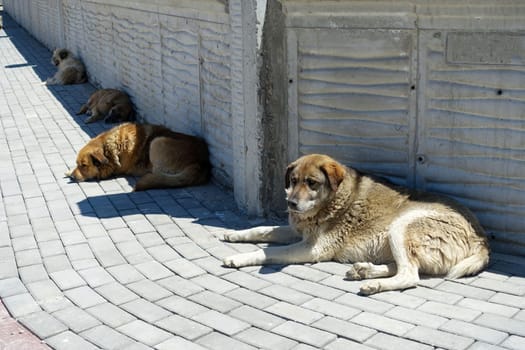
{"x": 336, "y": 213}
{"x": 161, "y": 157}
{"x": 109, "y": 104}
{"x": 70, "y": 69}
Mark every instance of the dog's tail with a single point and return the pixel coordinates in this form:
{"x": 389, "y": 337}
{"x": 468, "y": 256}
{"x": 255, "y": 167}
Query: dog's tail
{"x": 472, "y": 264}
{"x": 189, "y": 176}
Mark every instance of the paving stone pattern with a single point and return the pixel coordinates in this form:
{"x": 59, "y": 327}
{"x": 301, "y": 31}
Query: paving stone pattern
{"x": 94, "y": 265}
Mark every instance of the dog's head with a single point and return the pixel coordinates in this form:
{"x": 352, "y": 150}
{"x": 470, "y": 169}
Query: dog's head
{"x": 59, "y": 55}
{"x": 310, "y": 181}
{"x": 91, "y": 162}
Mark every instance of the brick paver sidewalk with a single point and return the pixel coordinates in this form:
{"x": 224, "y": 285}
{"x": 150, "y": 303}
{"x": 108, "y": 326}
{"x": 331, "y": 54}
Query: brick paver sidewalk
{"x": 93, "y": 265}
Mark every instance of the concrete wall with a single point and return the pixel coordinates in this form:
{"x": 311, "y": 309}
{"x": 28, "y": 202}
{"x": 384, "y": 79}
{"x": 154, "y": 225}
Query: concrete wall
{"x": 430, "y": 94}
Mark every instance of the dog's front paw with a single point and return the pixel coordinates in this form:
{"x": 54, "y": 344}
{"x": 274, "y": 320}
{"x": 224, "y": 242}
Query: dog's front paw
{"x": 358, "y": 271}
{"x": 233, "y": 261}
{"x": 231, "y": 236}
{"x": 370, "y": 287}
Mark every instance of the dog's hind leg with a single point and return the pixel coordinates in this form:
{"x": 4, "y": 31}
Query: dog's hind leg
{"x": 365, "y": 270}
{"x": 407, "y": 274}
{"x": 83, "y": 109}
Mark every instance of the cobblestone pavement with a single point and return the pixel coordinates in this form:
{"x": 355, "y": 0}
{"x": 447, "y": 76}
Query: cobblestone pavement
{"x": 93, "y": 265}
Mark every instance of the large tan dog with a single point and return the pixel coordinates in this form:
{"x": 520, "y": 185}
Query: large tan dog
{"x": 109, "y": 104}
{"x": 335, "y": 213}
{"x": 161, "y": 157}
{"x": 70, "y": 69}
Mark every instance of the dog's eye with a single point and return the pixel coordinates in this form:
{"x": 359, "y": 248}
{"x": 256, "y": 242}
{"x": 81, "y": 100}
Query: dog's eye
{"x": 293, "y": 181}
{"x": 311, "y": 183}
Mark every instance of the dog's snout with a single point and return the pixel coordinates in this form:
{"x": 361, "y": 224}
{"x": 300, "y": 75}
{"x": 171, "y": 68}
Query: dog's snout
{"x": 292, "y": 204}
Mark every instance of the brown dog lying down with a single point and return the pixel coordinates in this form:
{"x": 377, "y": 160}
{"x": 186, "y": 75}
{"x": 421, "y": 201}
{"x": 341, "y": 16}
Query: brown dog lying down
{"x": 161, "y": 157}
{"x": 336, "y": 213}
{"x": 70, "y": 69}
{"x": 109, "y": 104}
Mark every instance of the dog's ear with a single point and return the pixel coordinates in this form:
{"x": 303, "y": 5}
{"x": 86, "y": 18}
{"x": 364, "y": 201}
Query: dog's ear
{"x": 289, "y": 170}
{"x": 334, "y": 172}
{"x": 63, "y": 54}
{"x": 98, "y": 158}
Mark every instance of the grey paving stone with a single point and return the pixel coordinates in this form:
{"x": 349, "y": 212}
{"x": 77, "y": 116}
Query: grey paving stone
{"x": 215, "y": 301}
{"x": 133, "y": 252}
{"x": 84, "y": 297}
{"x": 149, "y": 239}
{"x": 246, "y": 280}
{"x": 331, "y": 308}
{"x": 488, "y": 307}
{"x": 144, "y": 332}
{"x": 251, "y": 298}
{"x": 184, "y": 268}
{"x": 449, "y": 311}
{"x": 105, "y": 252}
{"x": 149, "y": 290}
{"x": 343, "y": 344}
{"x": 67, "y": 279}
{"x": 21, "y": 304}
{"x": 212, "y": 265}
{"x": 106, "y": 337}
{"x": 416, "y": 317}
{"x": 189, "y": 251}
{"x": 305, "y": 334}
{"x": 163, "y": 253}
{"x": 435, "y": 295}
{"x": 11, "y": 286}
{"x": 76, "y": 319}
{"x": 293, "y": 312}
{"x": 182, "y": 306}
{"x": 51, "y": 247}
{"x": 514, "y": 342}
{"x": 382, "y": 323}
{"x": 79, "y": 251}
{"x": 345, "y": 328}
{"x": 218, "y": 341}
{"x": 28, "y": 257}
{"x": 509, "y": 300}
{"x": 265, "y": 340}
{"x": 257, "y": 318}
{"x": 96, "y": 276}
{"x": 390, "y": 342}
{"x": 499, "y": 286}
{"x": 179, "y": 343}
{"x": 364, "y": 303}
{"x": 57, "y": 263}
{"x": 145, "y": 310}
{"x": 184, "y": 327}
{"x": 470, "y": 330}
{"x": 116, "y": 293}
{"x": 47, "y": 295}
{"x": 439, "y": 338}
{"x": 501, "y": 323}
{"x": 43, "y": 324}
{"x": 110, "y": 314}
{"x": 466, "y": 290}
{"x": 153, "y": 270}
{"x": 69, "y": 340}
{"x": 220, "y": 322}
{"x": 401, "y": 299}
{"x": 125, "y": 273}
{"x": 180, "y": 286}
{"x": 286, "y": 294}
{"x": 214, "y": 283}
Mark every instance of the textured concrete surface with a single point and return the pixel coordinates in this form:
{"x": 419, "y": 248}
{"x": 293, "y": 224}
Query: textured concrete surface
{"x": 93, "y": 265}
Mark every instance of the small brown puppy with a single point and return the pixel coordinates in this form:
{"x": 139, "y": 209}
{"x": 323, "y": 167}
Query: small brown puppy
{"x": 70, "y": 69}
{"x": 109, "y": 104}
{"x": 336, "y": 213}
{"x": 161, "y": 157}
